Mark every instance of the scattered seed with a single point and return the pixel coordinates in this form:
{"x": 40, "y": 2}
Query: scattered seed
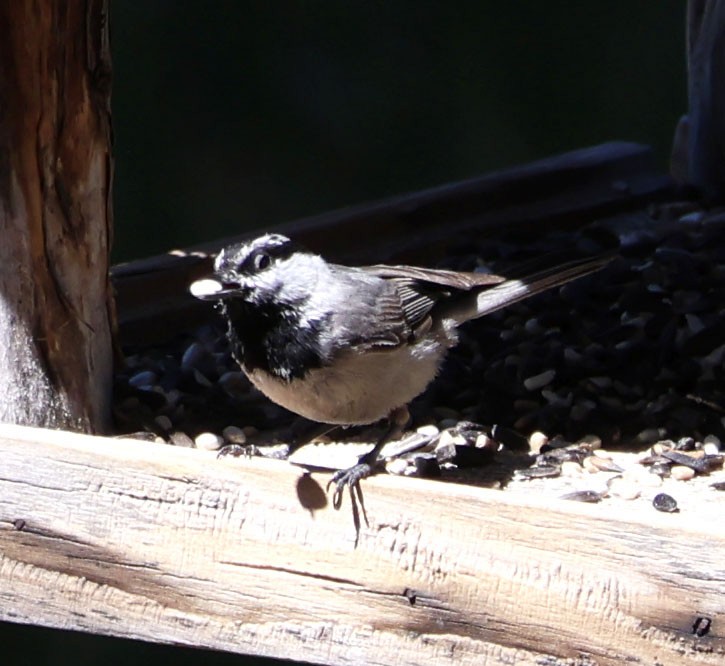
{"x": 660, "y": 469}
{"x": 665, "y": 503}
{"x": 536, "y": 382}
{"x": 710, "y": 449}
{"x": 702, "y": 465}
{"x": 172, "y": 397}
{"x": 695, "y": 217}
{"x": 533, "y": 326}
{"x": 571, "y": 468}
{"x": 429, "y": 430}
{"x": 397, "y": 466}
{"x": 537, "y": 439}
{"x": 590, "y": 496}
{"x": 658, "y": 448}
{"x": 589, "y": 465}
{"x": 450, "y": 438}
{"x": 469, "y": 431}
{"x": 178, "y": 438}
{"x": 712, "y": 441}
{"x": 591, "y": 442}
{"x": 621, "y": 487}
{"x": 712, "y": 463}
{"x": 600, "y": 464}
{"x": 208, "y": 441}
{"x": 559, "y": 456}
{"x": 685, "y": 444}
{"x": 196, "y": 357}
{"x": 234, "y": 435}
{"x": 539, "y": 472}
{"x": 413, "y": 442}
{"x": 572, "y": 356}
{"x": 650, "y": 435}
{"x": 164, "y": 422}
{"x": 445, "y": 452}
{"x": 483, "y": 441}
{"x": 601, "y": 382}
{"x": 556, "y": 400}
{"x": 143, "y": 379}
{"x": 682, "y": 473}
{"x": 144, "y": 436}
{"x": 651, "y": 459}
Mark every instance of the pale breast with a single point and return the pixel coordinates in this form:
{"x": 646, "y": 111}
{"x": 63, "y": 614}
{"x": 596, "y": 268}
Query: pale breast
{"x": 358, "y": 388}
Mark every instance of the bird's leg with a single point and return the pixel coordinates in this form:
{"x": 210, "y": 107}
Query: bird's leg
{"x": 303, "y": 431}
{"x": 365, "y": 466}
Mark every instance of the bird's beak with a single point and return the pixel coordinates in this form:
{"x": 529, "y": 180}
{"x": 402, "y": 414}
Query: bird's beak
{"x": 209, "y": 289}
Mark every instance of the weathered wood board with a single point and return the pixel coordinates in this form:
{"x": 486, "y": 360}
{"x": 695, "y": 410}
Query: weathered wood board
{"x": 172, "y": 545}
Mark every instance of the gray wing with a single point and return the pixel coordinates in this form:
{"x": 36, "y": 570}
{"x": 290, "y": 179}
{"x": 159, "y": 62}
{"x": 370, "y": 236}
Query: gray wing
{"x": 396, "y": 307}
{"x": 404, "y": 306}
{"x": 390, "y": 305}
{"x": 435, "y": 276}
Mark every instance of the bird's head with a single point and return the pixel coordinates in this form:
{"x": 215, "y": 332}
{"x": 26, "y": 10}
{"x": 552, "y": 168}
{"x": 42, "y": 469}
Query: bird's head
{"x": 270, "y": 267}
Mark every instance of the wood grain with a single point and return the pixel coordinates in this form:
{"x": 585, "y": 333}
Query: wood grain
{"x": 56, "y": 306}
{"x": 172, "y": 545}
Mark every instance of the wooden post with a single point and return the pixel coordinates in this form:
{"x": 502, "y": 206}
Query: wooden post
{"x": 698, "y": 155}
{"x": 55, "y": 214}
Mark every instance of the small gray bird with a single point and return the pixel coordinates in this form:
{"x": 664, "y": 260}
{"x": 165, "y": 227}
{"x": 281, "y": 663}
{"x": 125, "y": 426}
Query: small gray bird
{"x": 350, "y": 346}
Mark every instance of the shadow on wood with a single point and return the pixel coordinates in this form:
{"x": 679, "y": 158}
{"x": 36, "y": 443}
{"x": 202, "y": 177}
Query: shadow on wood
{"x": 172, "y": 545}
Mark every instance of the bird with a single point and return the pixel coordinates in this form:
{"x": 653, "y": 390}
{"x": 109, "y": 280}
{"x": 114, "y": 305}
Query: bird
{"x": 352, "y": 345}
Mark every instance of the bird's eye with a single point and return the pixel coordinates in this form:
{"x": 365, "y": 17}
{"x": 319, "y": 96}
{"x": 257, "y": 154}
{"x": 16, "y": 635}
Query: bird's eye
{"x": 262, "y": 261}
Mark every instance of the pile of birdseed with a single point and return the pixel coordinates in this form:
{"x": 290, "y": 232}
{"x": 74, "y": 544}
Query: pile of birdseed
{"x": 609, "y": 388}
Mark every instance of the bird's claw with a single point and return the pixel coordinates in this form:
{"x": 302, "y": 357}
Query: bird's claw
{"x": 348, "y": 478}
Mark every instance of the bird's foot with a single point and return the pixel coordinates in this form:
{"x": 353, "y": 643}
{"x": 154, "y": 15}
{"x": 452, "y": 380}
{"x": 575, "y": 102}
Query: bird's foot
{"x": 366, "y": 464}
{"x": 349, "y": 478}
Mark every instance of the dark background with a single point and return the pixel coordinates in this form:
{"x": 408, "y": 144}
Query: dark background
{"x": 236, "y": 115}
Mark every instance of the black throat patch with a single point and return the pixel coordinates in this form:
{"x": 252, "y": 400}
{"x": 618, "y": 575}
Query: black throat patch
{"x": 272, "y": 339}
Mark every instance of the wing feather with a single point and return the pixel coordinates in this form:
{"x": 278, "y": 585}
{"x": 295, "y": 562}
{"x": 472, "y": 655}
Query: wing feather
{"x": 435, "y": 276}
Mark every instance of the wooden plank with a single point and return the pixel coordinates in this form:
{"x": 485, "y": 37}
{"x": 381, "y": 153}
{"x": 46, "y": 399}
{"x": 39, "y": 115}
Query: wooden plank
{"x": 564, "y": 191}
{"x": 172, "y": 545}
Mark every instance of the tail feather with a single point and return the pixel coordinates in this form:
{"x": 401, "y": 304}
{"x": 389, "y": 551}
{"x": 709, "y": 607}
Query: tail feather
{"x": 512, "y": 291}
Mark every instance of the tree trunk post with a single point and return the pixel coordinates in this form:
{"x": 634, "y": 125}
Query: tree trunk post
{"x": 56, "y": 310}
{"x": 698, "y": 154}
